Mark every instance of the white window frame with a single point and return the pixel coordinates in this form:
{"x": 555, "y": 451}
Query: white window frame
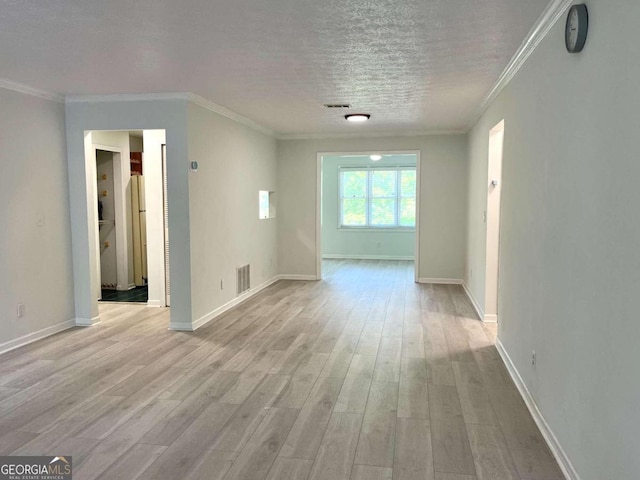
{"x": 368, "y": 197}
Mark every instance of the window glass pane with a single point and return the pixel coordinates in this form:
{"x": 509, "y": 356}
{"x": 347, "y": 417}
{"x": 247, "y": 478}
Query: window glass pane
{"x": 383, "y": 211}
{"x": 354, "y": 212}
{"x": 263, "y": 204}
{"x": 383, "y": 183}
{"x": 354, "y": 184}
{"x": 378, "y": 198}
{"x": 408, "y": 183}
{"x": 408, "y": 212}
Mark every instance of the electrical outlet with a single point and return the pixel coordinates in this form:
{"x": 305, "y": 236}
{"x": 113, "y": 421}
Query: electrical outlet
{"x": 470, "y": 273}
{"x": 221, "y": 285}
{"x": 20, "y": 310}
{"x": 533, "y": 358}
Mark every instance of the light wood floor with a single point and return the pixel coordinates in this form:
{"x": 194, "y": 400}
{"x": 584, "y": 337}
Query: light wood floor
{"x": 364, "y": 376}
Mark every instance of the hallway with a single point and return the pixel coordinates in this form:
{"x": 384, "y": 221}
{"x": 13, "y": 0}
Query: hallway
{"x": 364, "y": 375}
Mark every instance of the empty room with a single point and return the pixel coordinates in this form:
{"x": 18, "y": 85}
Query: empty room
{"x": 284, "y": 240}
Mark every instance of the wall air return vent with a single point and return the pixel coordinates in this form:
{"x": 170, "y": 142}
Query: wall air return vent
{"x": 337, "y": 105}
{"x": 243, "y": 279}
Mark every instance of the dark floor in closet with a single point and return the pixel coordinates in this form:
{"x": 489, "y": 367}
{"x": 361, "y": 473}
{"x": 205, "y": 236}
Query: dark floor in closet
{"x": 138, "y": 294}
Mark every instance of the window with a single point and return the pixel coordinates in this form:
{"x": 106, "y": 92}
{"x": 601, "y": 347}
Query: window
{"x": 266, "y": 204}
{"x": 378, "y": 198}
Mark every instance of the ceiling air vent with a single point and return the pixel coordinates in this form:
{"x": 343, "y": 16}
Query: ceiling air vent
{"x": 337, "y": 105}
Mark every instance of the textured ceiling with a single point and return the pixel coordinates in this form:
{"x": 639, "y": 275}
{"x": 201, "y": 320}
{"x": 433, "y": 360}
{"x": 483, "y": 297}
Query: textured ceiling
{"x": 413, "y": 64}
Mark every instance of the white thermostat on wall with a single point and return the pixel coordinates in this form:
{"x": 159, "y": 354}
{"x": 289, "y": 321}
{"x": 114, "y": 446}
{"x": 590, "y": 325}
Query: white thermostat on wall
{"x": 194, "y": 166}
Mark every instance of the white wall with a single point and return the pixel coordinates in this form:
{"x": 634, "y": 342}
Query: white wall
{"x": 443, "y": 203}
{"x": 170, "y": 114}
{"x": 570, "y": 256}
{"x": 345, "y": 242}
{"x": 235, "y": 162}
{"x": 35, "y": 261}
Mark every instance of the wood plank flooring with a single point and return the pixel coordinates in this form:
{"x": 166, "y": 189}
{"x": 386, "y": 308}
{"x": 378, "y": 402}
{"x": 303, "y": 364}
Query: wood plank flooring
{"x": 365, "y": 375}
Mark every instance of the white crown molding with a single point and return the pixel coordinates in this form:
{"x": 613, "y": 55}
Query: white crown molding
{"x": 552, "y": 441}
{"x": 190, "y": 97}
{"x": 230, "y": 114}
{"x": 125, "y": 97}
{"x": 27, "y": 90}
{"x": 541, "y": 28}
{"x": 400, "y": 133}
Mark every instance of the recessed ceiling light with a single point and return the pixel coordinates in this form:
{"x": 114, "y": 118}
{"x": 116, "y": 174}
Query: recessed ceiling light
{"x": 375, "y": 158}
{"x": 357, "y": 117}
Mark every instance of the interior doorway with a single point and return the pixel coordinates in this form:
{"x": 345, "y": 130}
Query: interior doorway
{"x": 112, "y": 223}
{"x": 368, "y": 207}
{"x": 494, "y": 193}
{"x": 130, "y": 208}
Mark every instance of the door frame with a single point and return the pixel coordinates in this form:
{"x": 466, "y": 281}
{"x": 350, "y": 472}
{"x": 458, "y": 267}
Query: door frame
{"x": 156, "y": 278}
{"x": 165, "y": 217}
{"x": 121, "y": 211}
{"x": 319, "y": 162}
{"x": 493, "y": 217}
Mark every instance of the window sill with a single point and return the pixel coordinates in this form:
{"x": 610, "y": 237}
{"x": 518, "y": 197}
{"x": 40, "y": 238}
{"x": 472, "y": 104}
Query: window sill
{"x": 378, "y": 229}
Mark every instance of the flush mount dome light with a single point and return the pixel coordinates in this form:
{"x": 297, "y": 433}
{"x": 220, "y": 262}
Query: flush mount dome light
{"x": 375, "y": 158}
{"x": 357, "y": 117}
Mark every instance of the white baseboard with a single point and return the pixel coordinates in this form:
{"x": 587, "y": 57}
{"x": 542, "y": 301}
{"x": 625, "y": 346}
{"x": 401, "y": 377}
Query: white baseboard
{"x": 227, "y": 306}
{"x": 87, "y": 322}
{"x": 474, "y": 302}
{"x": 181, "y": 326}
{"x": 563, "y": 460}
{"x": 154, "y": 303}
{"x": 35, "y": 336}
{"x": 441, "y": 281}
{"x": 285, "y": 276}
{"x": 490, "y": 318}
{"x": 339, "y": 256}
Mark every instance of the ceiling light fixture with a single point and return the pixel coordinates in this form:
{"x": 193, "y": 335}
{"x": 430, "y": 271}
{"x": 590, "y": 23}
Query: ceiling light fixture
{"x": 375, "y": 158}
{"x": 357, "y": 117}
